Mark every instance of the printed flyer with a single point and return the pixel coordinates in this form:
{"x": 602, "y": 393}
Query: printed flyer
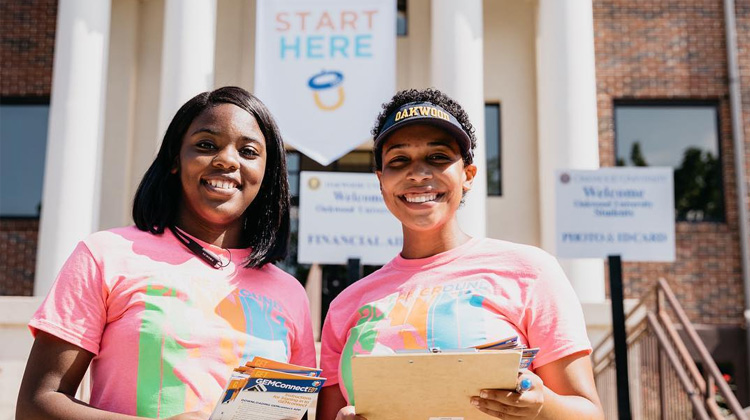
{"x": 265, "y": 389}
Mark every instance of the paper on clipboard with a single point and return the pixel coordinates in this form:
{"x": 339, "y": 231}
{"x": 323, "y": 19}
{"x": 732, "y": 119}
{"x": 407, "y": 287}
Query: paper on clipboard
{"x": 429, "y": 385}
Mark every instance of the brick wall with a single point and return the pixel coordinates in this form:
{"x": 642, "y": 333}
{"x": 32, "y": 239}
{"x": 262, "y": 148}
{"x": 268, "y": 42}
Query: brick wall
{"x": 27, "y": 39}
{"x": 27, "y": 46}
{"x": 676, "y": 50}
{"x": 18, "y": 241}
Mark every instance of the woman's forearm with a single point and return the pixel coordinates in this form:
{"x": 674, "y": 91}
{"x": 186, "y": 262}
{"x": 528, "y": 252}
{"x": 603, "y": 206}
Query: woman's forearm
{"x": 574, "y": 407}
{"x": 58, "y": 406}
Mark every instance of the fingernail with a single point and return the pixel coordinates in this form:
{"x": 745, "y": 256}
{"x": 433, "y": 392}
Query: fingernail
{"x": 474, "y": 401}
{"x": 483, "y": 394}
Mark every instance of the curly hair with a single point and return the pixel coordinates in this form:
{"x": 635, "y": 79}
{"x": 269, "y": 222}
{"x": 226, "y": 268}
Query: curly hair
{"x": 425, "y": 95}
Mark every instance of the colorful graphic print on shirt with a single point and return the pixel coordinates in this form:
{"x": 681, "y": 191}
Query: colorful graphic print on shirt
{"x": 447, "y": 316}
{"x": 171, "y": 345}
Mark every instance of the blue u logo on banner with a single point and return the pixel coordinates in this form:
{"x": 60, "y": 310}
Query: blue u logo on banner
{"x": 325, "y": 81}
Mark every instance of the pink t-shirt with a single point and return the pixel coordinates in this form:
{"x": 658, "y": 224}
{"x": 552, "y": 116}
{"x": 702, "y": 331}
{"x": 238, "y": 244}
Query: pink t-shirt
{"x": 480, "y": 292}
{"x": 166, "y": 329}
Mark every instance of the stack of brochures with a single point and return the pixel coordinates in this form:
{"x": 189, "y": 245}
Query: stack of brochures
{"x": 512, "y": 343}
{"x": 265, "y": 389}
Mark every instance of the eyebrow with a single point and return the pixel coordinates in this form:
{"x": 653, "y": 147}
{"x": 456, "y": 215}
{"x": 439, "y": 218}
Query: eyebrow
{"x": 215, "y": 132}
{"x": 432, "y": 143}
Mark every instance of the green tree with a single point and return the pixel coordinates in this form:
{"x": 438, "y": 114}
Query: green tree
{"x": 697, "y": 187}
{"x": 636, "y": 155}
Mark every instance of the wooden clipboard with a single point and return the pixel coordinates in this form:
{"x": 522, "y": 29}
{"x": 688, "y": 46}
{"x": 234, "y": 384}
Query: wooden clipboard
{"x": 429, "y": 386}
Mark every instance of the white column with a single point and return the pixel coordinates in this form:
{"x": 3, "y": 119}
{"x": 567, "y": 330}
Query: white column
{"x": 187, "y": 66}
{"x": 70, "y": 198}
{"x": 457, "y": 69}
{"x": 567, "y": 119}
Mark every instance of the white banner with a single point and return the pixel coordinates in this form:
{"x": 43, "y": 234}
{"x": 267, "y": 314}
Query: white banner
{"x": 323, "y": 67}
{"x": 341, "y": 216}
{"x": 615, "y": 211}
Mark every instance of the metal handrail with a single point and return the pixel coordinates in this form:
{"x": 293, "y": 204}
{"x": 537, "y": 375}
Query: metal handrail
{"x": 708, "y": 361}
{"x": 682, "y": 375}
{"x": 687, "y": 360}
{"x": 699, "y": 389}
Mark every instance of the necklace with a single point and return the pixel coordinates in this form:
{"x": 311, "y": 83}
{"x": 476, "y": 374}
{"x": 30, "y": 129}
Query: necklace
{"x": 209, "y": 257}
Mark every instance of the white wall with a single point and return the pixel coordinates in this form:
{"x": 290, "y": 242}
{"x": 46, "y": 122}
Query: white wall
{"x": 235, "y": 43}
{"x": 510, "y": 79}
{"x": 119, "y": 114}
{"x": 130, "y": 129}
{"x": 15, "y": 313}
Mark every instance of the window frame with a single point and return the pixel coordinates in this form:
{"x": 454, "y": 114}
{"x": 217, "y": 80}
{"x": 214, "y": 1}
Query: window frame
{"x": 499, "y": 147}
{"x": 24, "y": 100}
{"x": 714, "y": 103}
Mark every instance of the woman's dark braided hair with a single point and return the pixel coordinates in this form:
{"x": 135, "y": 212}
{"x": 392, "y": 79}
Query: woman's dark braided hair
{"x": 425, "y": 95}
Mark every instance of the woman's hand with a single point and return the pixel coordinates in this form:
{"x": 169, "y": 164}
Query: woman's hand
{"x": 502, "y": 402}
{"x": 347, "y": 413}
{"x": 193, "y": 415}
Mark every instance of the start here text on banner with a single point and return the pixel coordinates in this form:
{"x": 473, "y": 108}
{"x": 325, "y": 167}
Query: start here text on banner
{"x": 344, "y": 36}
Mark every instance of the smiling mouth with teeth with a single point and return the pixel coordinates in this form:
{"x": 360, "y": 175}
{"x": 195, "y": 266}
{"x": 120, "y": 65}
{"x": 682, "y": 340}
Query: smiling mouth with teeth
{"x": 220, "y": 184}
{"x": 420, "y": 198}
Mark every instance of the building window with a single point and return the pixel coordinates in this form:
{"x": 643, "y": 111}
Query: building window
{"x": 681, "y": 135}
{"x": 493, "y": 149}
{"x": 23, "y": 145}
{"x": 292, "y": 168}
{"x": 402, "y": 23}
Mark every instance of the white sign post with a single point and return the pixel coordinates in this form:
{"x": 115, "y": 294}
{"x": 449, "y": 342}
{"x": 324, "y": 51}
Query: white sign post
{"x": 622, "y": 214}
{"x": 615, "y": 211}
{"x": 323, "y": 67}
{"x": 342, "y": 216}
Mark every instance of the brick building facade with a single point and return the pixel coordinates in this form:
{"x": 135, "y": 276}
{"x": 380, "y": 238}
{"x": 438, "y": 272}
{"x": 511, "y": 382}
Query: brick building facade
{"x": 669, "y": 51}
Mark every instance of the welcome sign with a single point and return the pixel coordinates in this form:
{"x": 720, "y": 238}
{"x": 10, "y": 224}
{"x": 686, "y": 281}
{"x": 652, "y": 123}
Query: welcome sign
{"x": 342, "y": 215}
{"x": 323, "y": 67}
{"x": 615, "y": 211}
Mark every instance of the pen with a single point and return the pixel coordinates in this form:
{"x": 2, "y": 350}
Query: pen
{"x": 523, "y": 385}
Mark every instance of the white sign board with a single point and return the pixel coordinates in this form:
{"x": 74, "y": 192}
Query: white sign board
{"x": 615, "y": 211}
{"x": 323, "y": 67}
{"x": 341, "y": 216}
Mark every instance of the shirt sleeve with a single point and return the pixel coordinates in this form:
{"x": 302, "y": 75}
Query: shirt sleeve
{"x": 75, "y": 309}
{"x": 303, "y": 348}
{"x": 331, "y": 347}
{"x": 554, "y": 318}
